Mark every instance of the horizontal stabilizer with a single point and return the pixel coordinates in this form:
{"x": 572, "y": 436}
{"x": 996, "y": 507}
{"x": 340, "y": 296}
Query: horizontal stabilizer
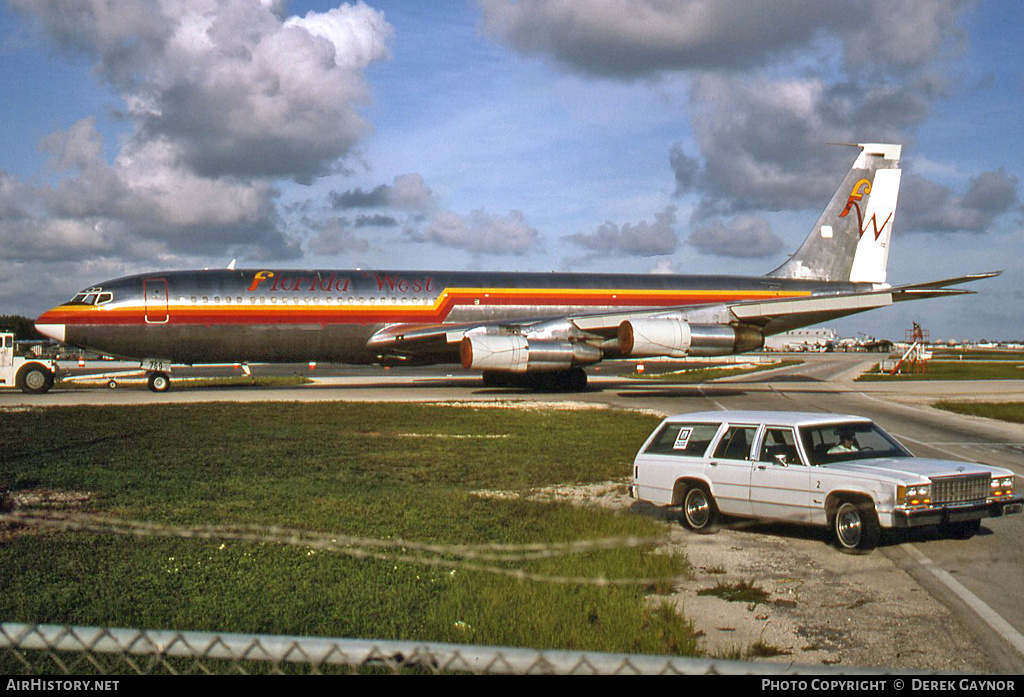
{"x": 949, "y": 281}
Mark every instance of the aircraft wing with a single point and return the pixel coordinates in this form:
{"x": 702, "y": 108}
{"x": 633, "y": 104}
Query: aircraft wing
{"x": 785, "y": 314}
{"x": 423, "y": 342}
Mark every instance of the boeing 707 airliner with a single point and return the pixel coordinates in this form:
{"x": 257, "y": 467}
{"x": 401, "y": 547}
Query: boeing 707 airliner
{"x": 506, "y": 325}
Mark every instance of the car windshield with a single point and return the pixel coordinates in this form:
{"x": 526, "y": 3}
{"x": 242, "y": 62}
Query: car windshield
{"x": 841, "y": 442}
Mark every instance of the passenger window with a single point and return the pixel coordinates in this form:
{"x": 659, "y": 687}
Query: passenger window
{"x": 683, "y": 439}
{"x": 735, "y": 444}
{"x": 779, "y": 441}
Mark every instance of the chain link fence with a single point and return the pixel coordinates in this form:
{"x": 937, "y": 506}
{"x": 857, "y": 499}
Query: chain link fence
{"x": 45, "y": 649}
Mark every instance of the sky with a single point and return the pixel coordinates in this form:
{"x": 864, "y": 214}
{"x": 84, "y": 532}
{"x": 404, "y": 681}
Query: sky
{"x": 637, "y": 136}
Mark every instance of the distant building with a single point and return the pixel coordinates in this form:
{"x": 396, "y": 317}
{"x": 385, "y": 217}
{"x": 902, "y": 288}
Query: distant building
{"x": 822, "y": 339}
{"x": 810, "y": 339}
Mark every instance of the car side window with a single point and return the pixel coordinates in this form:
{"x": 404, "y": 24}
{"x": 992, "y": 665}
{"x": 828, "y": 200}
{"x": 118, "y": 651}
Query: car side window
{"x": 735, "y": 444}
{"x": 683, "y": 439}
{"x": 776, "y": 442}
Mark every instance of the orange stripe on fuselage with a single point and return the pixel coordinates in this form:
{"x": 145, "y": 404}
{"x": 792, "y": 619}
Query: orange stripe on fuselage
{"x": 385, "y": 313}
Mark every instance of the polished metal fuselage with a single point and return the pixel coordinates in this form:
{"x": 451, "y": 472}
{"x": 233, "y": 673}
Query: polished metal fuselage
{"x": 287, "y": 316}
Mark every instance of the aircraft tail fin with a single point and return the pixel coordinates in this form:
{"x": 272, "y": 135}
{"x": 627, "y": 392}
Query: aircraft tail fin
{"x": 850, "y": 241}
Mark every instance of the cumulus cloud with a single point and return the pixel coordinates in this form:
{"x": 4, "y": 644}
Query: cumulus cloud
{"x": 333, "y": 237}
{"x": 409, "y": 192}
{"x": 771, "y": 81}
{"x": 231, "y": 87}
{"x": 633, "y": 38}
{"x": 480, "y": 232}
{"x": 143, "y": 206}
{"x": 765, "y": 142}
{"x": 640, "y": 239}
{"x": 640, "y": 38}
{"x": 932, "y": 207}
{"x": 223, "y": 99}
{"x": 744, "y": 236}
{"x": 409, "y": 202}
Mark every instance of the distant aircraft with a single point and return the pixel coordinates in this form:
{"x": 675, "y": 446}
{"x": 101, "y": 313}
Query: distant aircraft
{"x": 517, "y": 328}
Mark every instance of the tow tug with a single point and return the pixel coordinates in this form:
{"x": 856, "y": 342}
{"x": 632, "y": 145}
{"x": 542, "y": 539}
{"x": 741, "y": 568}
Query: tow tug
{"x": 31, "y": 375}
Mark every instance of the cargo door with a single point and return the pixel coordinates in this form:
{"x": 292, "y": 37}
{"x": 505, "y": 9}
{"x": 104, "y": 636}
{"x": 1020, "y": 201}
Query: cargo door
{"x": 155, "y": 290}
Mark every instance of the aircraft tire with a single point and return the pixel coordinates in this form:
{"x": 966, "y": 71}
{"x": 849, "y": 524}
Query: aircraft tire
{"x": 34, "y": 378}
{"x": 572, "y": 380}
{"x": 575, "y": 380}
{"x": 493, "y": 378}
{"x": 158, "y": 382}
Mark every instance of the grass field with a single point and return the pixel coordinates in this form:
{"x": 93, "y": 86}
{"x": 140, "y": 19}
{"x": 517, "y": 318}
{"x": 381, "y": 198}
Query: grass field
{"x": 1003, "y": 411}
{"x": 380, "y": 472}
{"x": 978, "y": 354}
{"x": 957, "y": 370}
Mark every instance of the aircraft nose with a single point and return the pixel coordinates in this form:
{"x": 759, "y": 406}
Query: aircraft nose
{"x": 46, "y": 326}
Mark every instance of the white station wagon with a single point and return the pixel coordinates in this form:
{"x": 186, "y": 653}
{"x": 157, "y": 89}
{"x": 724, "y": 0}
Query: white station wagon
{"x": 821, "y": 469}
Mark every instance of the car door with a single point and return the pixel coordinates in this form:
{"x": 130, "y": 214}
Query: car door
{"x": 779, "y": 480}
{"x": 728, "y": 469}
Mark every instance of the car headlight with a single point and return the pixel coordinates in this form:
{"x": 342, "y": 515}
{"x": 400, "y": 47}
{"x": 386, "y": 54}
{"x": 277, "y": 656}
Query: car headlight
{"x": 1002, "y": 486}
{"x": 917, "y": 495}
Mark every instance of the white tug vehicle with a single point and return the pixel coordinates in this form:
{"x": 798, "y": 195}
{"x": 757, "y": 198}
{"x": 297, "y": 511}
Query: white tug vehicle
{"x": 31, "y": 375}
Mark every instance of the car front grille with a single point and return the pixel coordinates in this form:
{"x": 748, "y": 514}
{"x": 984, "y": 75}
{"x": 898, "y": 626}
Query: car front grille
{"x": 959, "y": 489}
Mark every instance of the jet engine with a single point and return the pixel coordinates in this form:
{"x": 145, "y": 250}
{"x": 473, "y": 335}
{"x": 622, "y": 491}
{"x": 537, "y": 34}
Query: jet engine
{"x": 677, "y": 338}
{"x": 512, "y": 353}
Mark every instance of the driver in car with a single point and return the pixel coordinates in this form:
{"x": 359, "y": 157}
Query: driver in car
{"x": 847, "y": 443}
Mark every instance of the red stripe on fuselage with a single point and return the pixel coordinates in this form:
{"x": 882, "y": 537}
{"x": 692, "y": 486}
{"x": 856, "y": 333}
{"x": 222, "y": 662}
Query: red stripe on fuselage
{"x": 349, "y": 313}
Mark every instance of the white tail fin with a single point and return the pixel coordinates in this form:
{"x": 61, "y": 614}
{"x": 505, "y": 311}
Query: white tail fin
{"x": 850, "y": 241}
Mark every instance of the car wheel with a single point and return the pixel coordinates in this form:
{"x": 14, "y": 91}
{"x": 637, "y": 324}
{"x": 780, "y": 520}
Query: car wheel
{"x": 159, "y": 382}
{"x": 856, "y": 528}
{"x": 34, "y": 379}
{"x": 699, "y": 510}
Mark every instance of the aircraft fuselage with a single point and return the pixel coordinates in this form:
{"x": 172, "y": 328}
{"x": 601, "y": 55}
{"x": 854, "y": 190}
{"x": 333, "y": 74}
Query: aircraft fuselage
{"x": 297, "y": 316}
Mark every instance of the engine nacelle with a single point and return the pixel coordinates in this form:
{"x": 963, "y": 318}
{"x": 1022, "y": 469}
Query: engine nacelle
{"x": 678, "y": 339}
{"x": 511, "y": 353}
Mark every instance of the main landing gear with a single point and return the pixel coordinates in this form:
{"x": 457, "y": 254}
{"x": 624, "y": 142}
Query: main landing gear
{"x": 572, "y": 380}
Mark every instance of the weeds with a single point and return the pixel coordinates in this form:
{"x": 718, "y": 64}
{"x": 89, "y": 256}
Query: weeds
{"x": 739, "y": 592}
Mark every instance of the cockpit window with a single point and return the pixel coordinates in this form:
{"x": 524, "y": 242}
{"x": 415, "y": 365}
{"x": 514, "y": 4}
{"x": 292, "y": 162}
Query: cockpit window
{"x": 92, "y": 296}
